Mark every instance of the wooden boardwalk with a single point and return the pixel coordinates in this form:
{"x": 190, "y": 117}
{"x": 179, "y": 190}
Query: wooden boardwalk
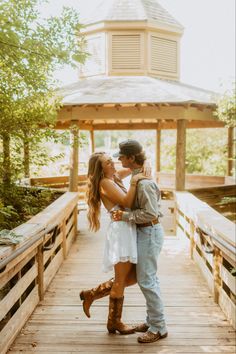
{"x": 195, "y": 323}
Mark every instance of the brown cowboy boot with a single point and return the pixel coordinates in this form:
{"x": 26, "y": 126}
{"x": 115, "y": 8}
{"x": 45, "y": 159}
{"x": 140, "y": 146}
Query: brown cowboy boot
{"x": 88, "y": 296}
{"x": 114, "y": 318}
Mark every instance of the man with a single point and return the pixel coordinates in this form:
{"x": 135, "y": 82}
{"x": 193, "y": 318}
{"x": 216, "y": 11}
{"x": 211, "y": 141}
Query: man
{"x": 145, "y": 213}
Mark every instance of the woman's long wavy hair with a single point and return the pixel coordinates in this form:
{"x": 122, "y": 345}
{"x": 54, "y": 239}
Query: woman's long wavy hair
{"x": 95, "y": 174}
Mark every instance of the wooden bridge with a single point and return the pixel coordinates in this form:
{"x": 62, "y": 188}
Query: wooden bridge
{"x": 46, "y": 301}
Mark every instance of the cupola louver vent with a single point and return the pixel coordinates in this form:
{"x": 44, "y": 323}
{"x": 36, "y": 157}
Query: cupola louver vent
{"x": 163, "y": 55}
{"x": 126, "y": 52}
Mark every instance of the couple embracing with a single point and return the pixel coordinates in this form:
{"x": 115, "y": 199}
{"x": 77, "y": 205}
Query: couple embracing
{"x": 134, "y": 237}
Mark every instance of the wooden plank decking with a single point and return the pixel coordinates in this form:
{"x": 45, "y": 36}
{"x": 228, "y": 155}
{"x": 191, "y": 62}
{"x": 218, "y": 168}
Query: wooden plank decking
{"x": 195, "y": 323}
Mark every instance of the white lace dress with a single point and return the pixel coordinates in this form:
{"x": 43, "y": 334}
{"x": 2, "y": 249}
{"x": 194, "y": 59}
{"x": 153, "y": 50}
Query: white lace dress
{"x": 120, "y": 244}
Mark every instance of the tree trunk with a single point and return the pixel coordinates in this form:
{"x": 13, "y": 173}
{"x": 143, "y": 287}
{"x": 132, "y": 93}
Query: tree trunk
{"x": 6, "y": 176}
{"x": 74, "y": 159}
{"x": 26, "y": 158}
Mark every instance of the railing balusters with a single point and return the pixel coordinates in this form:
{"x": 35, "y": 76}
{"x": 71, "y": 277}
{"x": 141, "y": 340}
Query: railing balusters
{"x": 213, "y": 250}
{"x": 64, "y": 245}
{"x": 40, "y": 272}
{"x": 217, "y": 260}
{"x": 192, "y": 241}
{"x": 29, "y": 267}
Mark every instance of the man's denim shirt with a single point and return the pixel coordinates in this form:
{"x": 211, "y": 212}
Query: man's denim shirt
{"x": 146, "y": 206}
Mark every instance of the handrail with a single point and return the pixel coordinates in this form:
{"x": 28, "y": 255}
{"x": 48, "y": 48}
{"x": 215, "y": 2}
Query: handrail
{"x": 26, "y": 245}
{"x": 220, "y": 241}
{"x": 207, "y": 230}
{"x": 28, "y": 267}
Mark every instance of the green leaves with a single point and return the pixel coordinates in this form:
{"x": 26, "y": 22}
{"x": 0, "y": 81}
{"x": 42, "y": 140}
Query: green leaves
{"x": 8, "y": 238}
{"x": 226, "y": 110}
{"x": 31, "y": 48}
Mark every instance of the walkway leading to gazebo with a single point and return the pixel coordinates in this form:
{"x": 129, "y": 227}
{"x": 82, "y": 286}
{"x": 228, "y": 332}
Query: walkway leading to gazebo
{"x": 196, "y": 324}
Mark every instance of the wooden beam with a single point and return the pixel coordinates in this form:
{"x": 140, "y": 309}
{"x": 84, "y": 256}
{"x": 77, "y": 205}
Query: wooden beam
{"x": 74, "y": 158}
{"x": 131, "y": 112}
{"x": 119, "y": 125}
{"x": 92, "y": 141}
{"x": 230, "y": 151}
{"x": 180, "y": 155}
{"x": 158, "y": 150}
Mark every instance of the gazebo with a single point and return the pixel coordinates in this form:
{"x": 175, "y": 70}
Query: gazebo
{"x": 131, "y": 81}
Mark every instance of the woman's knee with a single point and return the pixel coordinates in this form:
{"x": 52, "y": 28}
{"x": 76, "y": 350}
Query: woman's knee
{"x": 131, "y": 278}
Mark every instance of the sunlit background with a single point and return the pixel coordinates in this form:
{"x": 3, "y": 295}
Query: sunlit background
{"x": 207, "y": 61}
{"x": 208, "y": 43}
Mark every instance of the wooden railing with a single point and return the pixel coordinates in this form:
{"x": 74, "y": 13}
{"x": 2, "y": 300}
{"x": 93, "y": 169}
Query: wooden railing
{"x": 212, "y": 245}
{"x": 167, "y": 180}
{"x": 221, "y": 198}
{"x": 61, "y": 182}
{"x": 27, "y": 268}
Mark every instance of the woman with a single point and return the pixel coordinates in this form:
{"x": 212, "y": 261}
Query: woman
{"x": 104, "y": 185}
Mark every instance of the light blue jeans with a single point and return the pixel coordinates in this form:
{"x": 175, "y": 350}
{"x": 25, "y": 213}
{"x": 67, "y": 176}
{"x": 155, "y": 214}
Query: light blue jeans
{"x": 150, "y": 241}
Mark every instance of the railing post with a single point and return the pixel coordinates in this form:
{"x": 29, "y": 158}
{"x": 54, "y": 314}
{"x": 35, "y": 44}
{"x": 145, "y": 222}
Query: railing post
{"x": 217, "y": 260}
{"x": 75, "y": 221}
{"x": 64, "y": 245}
{"x": 40, "y": 272}
{"x": 192, "y": 242}
{"x": 175, "y": 215}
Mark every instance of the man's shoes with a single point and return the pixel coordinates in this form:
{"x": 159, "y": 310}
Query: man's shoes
{"x": 150, "y": 337}
{"x": 143, "y": 327}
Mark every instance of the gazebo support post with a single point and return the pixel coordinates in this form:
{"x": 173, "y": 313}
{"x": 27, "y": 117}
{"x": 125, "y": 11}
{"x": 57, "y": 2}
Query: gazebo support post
{"x": 230, "y": 151}
{"x": 180, "y": 155}
{"x": 158, "y": 150}
{"x": 74, "y": 158}
{"x": 92, "y": 140}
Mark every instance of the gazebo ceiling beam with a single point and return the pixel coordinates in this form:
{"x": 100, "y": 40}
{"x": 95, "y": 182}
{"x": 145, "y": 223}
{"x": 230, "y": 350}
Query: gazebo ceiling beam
{"x": 177, "y": 112}
{"x": 160, "y": 125}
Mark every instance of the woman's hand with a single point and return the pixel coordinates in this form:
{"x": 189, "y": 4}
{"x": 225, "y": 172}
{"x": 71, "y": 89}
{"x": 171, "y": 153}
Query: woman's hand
{"x": 136, "y": 178}
{"x": 116, "y": 215}
{"x": 147, "y": 168}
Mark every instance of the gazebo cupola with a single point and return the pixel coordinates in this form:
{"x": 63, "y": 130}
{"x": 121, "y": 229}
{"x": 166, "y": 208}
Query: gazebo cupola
{"x": 132, "y": 37}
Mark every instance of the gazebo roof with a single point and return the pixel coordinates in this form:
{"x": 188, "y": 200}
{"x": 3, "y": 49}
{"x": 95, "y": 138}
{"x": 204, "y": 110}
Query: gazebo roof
{"x": 133, "y": 90}
{"x": 132, "y": 10}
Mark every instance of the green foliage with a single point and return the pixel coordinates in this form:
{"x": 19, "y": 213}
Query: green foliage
{"x": 40, "y": 155}
{"x": 31, "y": 48}
{"x": 8, "y": 237}
{"x": 206, "y": 151}
{"x": 18, "y": 204}
{"x": 226, "y": 110}
{"x": 6, "y": 213}
{"x": 227, "y": 200}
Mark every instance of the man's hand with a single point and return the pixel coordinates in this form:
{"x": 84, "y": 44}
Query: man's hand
{"x": 147, "y": 168}
{"x": 117, "y": 215}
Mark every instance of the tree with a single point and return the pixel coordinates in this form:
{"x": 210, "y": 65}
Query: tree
{"x": 31, "y": 48}
{"x": 226, "y": 108}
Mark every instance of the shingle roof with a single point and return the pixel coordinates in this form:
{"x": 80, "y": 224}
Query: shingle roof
{"x": 132, "y": 10}
{"x": 133, "y": 89}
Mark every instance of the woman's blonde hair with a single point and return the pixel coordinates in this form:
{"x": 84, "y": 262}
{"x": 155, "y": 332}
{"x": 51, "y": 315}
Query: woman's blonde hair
{"x": 95, "y": 174}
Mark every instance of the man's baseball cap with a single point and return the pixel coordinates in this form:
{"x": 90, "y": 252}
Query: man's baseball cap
{"x": 129, "y": 147}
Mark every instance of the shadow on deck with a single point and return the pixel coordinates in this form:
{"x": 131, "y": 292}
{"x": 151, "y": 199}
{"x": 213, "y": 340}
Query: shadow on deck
{"x": 58, "y": 325}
